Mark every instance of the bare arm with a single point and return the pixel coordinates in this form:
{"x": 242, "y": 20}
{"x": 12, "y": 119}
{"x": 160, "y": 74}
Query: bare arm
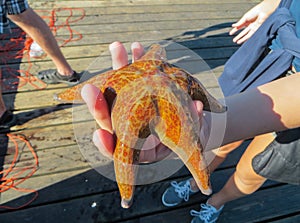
{"x": 272, "y": 107}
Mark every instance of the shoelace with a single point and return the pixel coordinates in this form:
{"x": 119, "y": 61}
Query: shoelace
{"x": 182, "y": 191}
{"x": 204, "y": 214}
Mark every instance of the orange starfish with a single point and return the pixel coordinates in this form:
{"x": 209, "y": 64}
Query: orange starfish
{"x": 152, "y": 97}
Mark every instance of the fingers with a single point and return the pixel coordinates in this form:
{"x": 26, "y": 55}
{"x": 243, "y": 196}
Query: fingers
{"x": 239, "y": 25}
{"x": 162, "y": 152}
{"x": 159, "y": 152}
{"x": 199, "y": 107}
{"x": 148, "y": 153}
{"x": 97, "y": 106}
{"x": 243, "y": 36}
{"x": 246, "y": 33}
{"x": 119, "y": 55}
{"x": 137, "y": 51}
{"x": 104, "y": 141}
{"x": 102, "y": 138}
{"x": 196, "y": 108}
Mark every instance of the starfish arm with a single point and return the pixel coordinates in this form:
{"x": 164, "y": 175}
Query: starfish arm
{"x": 156, "y": 52}
{"x": 131, "y": 115}
{"x": 125, "y": 170}
{"x": 178, "y": 130}
{"x": 73, "y": 94}
{"x": 199, "y": 92}
{"x": 193, "y": 87}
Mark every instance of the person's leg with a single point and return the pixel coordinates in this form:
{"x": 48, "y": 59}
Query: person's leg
{"x": 244, "y": 181}
{"x": 220, "y": 155}
{"x": 7, "y": 118}
{"x": 2, "y": 105}
{"x": 39, "y": 31}
{"x": 181, "y": 191}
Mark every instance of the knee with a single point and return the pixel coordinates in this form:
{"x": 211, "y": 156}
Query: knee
{"x": 248, "y": 183}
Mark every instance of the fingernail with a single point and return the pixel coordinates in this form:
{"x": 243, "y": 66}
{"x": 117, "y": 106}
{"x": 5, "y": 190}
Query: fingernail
{"x": 114, "y": 45}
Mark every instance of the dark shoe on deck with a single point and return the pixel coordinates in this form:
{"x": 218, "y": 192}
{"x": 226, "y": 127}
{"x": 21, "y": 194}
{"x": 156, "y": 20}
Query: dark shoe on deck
{"x": 52, "y": 76}
{"x": 7, "y": 120}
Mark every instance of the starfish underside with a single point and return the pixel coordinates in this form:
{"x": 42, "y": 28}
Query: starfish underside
{"x": 153, "y": 97}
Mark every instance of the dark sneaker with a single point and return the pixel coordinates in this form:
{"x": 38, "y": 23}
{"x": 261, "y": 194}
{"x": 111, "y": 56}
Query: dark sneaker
{"x": 52, "y": 76}
{"x": 207, "y": 214}
{"x": 177, "y": 193}
{"x": 6, "y": 121}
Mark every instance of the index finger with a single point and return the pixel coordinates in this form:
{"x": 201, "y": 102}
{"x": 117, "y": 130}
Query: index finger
{"x": 97, "y": 106}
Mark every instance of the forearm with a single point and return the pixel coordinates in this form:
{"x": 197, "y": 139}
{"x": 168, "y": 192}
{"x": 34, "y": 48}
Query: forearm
{"x": 272, "y": 107}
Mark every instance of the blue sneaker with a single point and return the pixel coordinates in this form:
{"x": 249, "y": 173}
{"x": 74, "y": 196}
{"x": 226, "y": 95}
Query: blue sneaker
{"x": 177, "y": 193}
{"x": 207, "y": 214}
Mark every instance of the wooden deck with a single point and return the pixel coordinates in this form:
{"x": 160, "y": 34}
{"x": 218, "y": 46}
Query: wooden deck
{"x": 69, "y": 189}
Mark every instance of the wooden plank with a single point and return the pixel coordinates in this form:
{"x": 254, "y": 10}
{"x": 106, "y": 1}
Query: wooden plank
{"x": 107, "y": 205}
{"x": 203, "y": 38}
{"x": 80, "y": 62}
{"x": 207, "y": 48}
{"x": 57, "y": 161}
{"x": 44, "y": 117}
{"x": 44, "y": 137}
{"x": 148, "y": 26}
{"x": 264, "y": 204}
{"x": 132, "y": 16}
{"x": 44, "y": 98}
{"x": 83, "y": 52}
{"x": 111, "y": 199}
{"x": 57, "y": 152}
{"x": 239, "y": 7}
{"x": 120, "y": 3}
{"x": 94, "y": 51}
{"x": 287, "y": 219}
{"x": 69, "y": 190}
{"x": 157, "y": 31}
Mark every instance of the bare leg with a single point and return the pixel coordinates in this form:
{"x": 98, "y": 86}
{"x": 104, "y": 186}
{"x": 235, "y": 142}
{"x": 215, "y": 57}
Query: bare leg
{"x": 244, "y": 181}
{"x": 2, "y": 105}
{"x": 221, "y": 154}
{"x": 38, "y": 30}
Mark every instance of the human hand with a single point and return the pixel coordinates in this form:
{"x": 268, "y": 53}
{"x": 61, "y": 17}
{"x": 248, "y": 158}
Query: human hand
{"x": 104, "y": 138}
{"x": 252, "y": 20}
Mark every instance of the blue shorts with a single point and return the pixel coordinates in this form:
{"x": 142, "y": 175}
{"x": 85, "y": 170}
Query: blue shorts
{"x": 10, "y": 7}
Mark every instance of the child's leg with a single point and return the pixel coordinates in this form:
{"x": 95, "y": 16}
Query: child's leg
{"x": 221, "y": 154}
{"x": 215, "y": 158}
{"x": 244, "y": 181}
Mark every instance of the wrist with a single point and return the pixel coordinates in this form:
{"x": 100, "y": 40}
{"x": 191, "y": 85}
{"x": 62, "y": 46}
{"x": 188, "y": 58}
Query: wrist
{"x": 269, "y": 6}
{"x": 213, "y": 130}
